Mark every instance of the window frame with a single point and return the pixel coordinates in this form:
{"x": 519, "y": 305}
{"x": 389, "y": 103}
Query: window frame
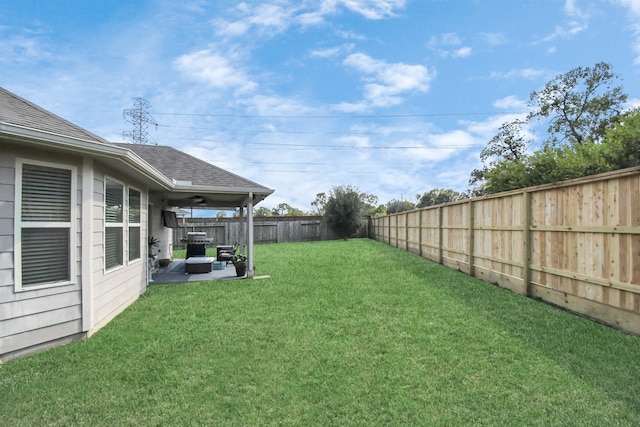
{"x": 19, "y": 225}
{"x": 114, "y": 225}
{"x": 131, "y": 224}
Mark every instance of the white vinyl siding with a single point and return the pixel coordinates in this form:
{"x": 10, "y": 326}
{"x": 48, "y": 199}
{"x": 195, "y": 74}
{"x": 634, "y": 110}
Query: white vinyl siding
{"x": 114, "y": 225}
{"x": 45, "y": 199}
{"x": 134, "y": 224}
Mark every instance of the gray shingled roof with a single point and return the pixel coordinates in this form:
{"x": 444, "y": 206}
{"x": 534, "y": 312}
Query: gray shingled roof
{"x": 18, "y": 111}
{"x": 172, "y": 163}
{"x": 181, "y": 166}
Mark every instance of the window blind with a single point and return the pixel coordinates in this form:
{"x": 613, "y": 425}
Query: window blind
{"x": 134, "y": 243}
{"x": 134, "y": 224}
{"x": 45, "y": 255}
{"x": 113, "y": 231}
{"x": 134, "y": 206}
{"x": 113, "y": 247}
{"x": 114, "y": 196}
{"x": 45, "y": 198}
{"x": 46, "y": 194}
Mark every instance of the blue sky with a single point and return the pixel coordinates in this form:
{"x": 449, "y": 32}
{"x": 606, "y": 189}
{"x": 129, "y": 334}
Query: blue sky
{"x": 396, "y": 97}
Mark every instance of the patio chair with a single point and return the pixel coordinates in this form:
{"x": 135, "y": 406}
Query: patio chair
{"x": 226, "y": 254}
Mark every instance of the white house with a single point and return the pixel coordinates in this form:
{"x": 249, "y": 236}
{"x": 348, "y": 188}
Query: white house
{"x": 75, "y": 215}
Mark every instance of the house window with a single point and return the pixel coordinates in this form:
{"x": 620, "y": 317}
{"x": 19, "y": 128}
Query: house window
{"x": 134, "y": 224}
{"x": 45, "y": 199}
{"x": 113, "y": 224}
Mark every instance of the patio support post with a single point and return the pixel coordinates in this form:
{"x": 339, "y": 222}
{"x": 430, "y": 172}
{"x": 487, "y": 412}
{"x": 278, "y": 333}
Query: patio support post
{"x": 250, "y": 271}
{"x": 242, "y": 226}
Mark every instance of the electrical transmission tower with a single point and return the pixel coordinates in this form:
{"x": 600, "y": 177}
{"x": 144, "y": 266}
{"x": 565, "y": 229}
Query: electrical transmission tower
{"x": 140, "y": 118}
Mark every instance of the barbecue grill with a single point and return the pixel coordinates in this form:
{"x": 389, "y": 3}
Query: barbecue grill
{"x": 196, "y": 241}
{"x": 199, "y": 238}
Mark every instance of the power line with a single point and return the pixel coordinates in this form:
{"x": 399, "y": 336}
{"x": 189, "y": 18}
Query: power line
{"x": 328, "y": 116}
{"x": 315, "y": 172}
{"x": 353, "y": 147}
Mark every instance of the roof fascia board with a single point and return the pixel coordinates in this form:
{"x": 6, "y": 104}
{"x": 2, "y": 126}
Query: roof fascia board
{"x": 221, "y": 190}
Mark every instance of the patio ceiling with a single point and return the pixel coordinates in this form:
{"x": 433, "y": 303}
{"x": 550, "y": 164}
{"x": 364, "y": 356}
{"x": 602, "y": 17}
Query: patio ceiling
{"x": 211, "y": 199}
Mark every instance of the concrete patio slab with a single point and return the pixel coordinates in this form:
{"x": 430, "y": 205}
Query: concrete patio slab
{"x": 175, "y": 273}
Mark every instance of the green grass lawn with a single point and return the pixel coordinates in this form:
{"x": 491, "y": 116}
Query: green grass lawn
{"x": 343, "y": 333}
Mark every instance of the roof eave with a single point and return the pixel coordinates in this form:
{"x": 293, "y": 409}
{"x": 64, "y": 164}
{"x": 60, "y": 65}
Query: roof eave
{"x": 222, "y": 190}
{"x": 86, "y": 147}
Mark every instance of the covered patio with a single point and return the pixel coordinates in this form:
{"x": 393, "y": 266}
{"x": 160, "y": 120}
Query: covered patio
{"x": 196, "y": 185}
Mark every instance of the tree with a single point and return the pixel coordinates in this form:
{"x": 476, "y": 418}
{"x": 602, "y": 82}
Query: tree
{"x": 344, "y": 210}
{"x": 504, "y": 176}
{"x": 381, "y": 210}
{"x": 263, "y": 211}
{"x": 283, "y": 209}
{"x": 580, "y": 105}
{"x": 508, "y": 145}
{"x": 369, "y": 202}
{"x": 396, "y": 206}
{"x": 319, "y": 203}
{"x": 438, "y": 196}
{"x": 623, "y": 141}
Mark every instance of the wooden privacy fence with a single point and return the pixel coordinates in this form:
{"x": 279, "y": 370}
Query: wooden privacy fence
{"x": 575, "y": 244}
{"x": 226, "y": 231}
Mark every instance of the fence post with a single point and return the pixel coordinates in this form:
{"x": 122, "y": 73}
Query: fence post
{"x": 389, "y": 230}
{"x": 440, "y": 236}
{"x": 420, "y": 232}
{"x": 406, "y": 231}
{"x": 526, "y": 238}
{"x": 471, "y": 237}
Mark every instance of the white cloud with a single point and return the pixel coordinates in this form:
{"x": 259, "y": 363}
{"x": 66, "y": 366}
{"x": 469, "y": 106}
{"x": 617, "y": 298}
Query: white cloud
{"x": 326, "y": 53}
{"x": 441, "y": 146}
{"x": 22, "y": 49}
{"x": 214, "y": 70}
{"x": 351, "y": 35}
{"x": 633, "y": 7}
{"x": 351, "y": 107}
{"x": 487, "y": 129}
{"x": 573, "y": 28}
{"x": 572, "y": 10}
{"x": 277, "y": 16}
{"x": 578, "y": 22}
{"x": 331, "y": 52}
{"x": 510, "y": 103}
{"x": 446, "y": 45}
{"x": 632, "y": 103}
{"x": 371, "y": 9}
{"x": 386, "y": 82}
{"x": 446, "y": 39}
{"x": 275, "y": 106}
{"x": 494, "y": 39}
{"x": 524, "y": 73}
{"x": 267, "y": 18}
{"x": 461, "y": 53}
